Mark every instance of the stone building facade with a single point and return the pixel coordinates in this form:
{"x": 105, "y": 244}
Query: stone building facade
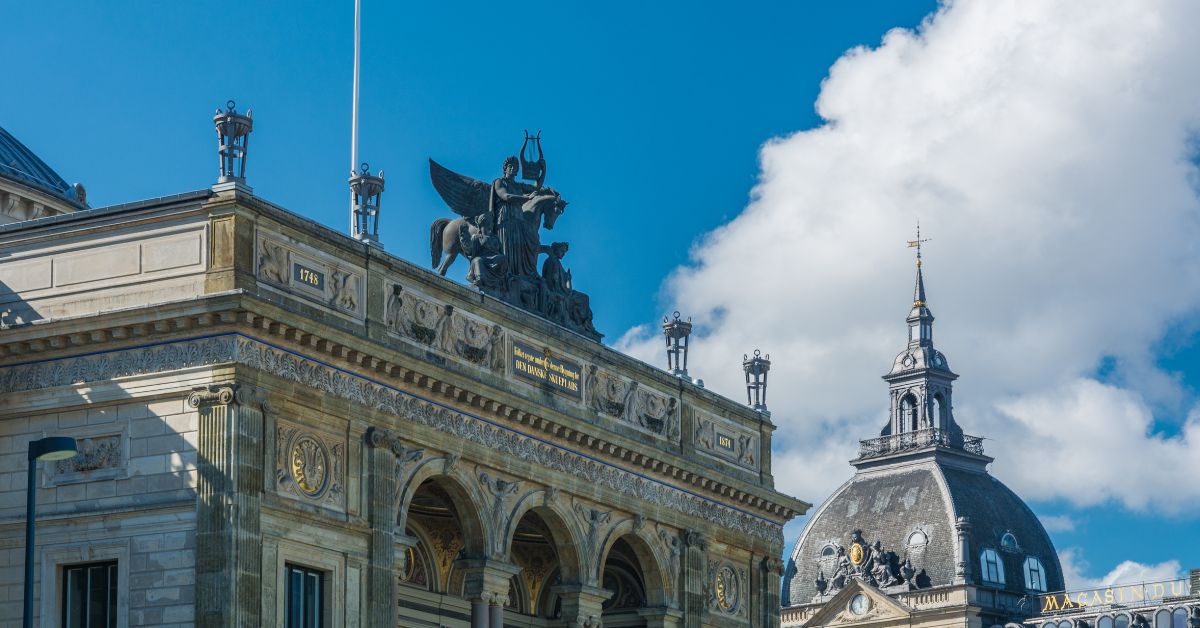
{"x": 280, "y": 423}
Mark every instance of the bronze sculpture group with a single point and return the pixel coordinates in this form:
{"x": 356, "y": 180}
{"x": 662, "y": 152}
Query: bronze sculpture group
{"x": 498, "y": 231}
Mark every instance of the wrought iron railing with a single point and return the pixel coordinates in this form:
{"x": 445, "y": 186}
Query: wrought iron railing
{"x": 906, "y": 441}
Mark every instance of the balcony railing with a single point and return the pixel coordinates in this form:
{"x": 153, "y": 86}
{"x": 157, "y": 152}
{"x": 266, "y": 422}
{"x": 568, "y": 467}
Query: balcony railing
{"x": 907, "y": 441}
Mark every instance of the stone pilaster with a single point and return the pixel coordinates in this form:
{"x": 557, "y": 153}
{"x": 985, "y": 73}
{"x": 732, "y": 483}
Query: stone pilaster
{"x": 582, "y": 605}
{"x": 485, "y": 584}
{"x": 770, "y": 575}
{"x": 381, "y": 514}
{"x": 229, "y": 491}
{"x": 963, "y": 573}
{"x": 695, "y": 550}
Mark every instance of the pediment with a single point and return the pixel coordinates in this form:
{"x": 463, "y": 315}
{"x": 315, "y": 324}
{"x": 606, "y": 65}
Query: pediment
{"x": 836, "y": 611}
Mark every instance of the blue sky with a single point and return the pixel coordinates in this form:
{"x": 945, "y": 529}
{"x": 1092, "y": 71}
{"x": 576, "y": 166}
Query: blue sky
{"x": 653, "y": 117}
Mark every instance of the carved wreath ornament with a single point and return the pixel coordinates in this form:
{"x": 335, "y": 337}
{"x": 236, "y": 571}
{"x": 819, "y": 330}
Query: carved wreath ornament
{"x": 726, "y": 588}
{"x": 309, "y": 466}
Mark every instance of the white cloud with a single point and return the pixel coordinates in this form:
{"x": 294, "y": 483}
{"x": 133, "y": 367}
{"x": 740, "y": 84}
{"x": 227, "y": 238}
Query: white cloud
{"x": 1044, "y": 144}
{"x": 1129, "y": 572}
{"x": 1058, "y": 523}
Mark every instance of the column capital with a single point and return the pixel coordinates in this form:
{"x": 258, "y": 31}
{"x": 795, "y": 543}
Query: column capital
{"x": 582, "y": 604}
{"x": 227, "y": 393}
{"x": 487, "y": 579}
{"x": 661, "y": 617}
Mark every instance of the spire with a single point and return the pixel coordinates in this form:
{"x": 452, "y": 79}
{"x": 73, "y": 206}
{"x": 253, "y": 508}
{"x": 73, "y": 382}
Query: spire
{"x": 919, "y": 288}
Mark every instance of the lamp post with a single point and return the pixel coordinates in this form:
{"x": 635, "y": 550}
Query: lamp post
{"x": 756, "y": 379}
{"x": 676, "y": 333}
{"x": 49, "y": 448}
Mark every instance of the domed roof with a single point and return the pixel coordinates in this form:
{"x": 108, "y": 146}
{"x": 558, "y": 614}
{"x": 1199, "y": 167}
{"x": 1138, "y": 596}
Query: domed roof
{"x": 18, "y": 163}
{"x": 919, "y": 357}
{"x": 911, "y": 510}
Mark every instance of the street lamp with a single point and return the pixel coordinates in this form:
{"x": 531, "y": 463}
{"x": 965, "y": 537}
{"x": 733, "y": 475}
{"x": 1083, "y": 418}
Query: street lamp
{"x": 49, "y": 448}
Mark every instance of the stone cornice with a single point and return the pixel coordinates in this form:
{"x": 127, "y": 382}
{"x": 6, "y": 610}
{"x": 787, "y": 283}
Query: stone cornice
{"x": 190, "y": 319}
{"x": 100, "y": 341}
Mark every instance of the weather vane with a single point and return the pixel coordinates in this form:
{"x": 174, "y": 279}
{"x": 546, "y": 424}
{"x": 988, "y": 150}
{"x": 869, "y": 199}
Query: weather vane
{"x": 917, "y": 243}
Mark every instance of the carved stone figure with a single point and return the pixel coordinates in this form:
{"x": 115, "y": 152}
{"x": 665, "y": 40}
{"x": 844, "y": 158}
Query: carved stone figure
{"x": 272, "y": 264}
{"x": 345, "y": 290}
{"x": 607, "y": 393}
{"x": 392, "y": 309}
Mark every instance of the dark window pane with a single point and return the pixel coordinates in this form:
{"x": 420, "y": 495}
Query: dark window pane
{"x": 305, "y": 602}
{"x": 90, "y": 595}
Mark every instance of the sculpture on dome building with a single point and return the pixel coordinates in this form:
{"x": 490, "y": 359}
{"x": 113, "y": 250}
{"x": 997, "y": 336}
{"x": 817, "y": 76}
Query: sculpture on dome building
{"x": 498, "y": 231}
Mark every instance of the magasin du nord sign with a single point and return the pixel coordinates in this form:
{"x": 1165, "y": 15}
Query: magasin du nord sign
{"x": 1128, "y": 595}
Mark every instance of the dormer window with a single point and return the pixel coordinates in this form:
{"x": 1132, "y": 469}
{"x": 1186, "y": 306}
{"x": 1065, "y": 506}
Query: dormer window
{"x": 1035, "y": 578}
{"x": 991, "y": 567}
{"x": 1008, "y": 542}
{"x": 917, "y": 540}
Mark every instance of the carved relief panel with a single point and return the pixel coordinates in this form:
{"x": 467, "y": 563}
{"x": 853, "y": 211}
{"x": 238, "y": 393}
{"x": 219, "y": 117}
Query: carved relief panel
{"x": 723, "y": 439}
{"x": 310, "y": 466}
{"x": 439, "y": 326}
{"x": 632, "y": 403}
{"x": 305, "y": 272}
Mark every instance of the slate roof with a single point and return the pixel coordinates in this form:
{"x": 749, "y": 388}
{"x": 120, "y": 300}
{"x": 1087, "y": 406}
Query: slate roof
{"x": 888, "y": 504}
{"x": 20, "y": 164}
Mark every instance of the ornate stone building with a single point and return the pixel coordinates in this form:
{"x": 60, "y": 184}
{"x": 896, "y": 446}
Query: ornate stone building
{"x": 921, "y": 535}
{"x": 283, "y": 425}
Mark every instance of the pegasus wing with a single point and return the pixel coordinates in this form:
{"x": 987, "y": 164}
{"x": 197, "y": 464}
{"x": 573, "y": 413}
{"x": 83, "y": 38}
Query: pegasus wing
{"x": 467, "y": 197}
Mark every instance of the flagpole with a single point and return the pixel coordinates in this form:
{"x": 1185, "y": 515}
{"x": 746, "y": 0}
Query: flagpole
{"x": 354, "y": 112}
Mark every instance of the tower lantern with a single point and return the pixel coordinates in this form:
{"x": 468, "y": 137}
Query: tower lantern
{"x": 756, "y": 379}
{"x": 233, "y": 133}
{"x": 676, "y": 332}
{"x": 366, "y": 190}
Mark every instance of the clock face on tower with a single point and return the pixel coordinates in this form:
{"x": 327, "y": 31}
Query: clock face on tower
{"x": 860, "y": 604}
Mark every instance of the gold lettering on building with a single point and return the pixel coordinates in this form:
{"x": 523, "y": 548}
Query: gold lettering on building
{"x": 561, "y": 375}
{"x": 1151, "y": 592}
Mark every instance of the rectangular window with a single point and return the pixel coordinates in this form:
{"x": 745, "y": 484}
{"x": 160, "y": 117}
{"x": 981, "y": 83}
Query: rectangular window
{"x": 89, "y": 597}
{"x": 305, "y": 597}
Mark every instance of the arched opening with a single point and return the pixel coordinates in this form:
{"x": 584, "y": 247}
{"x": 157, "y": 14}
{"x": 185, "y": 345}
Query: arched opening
{"x": 1179, "y": 618}
{"x": 909, "y": 416}
{"x": 418, "y": 568}
{"x": 624, "y": 576}
{"x": 1162, "y": 619}
{"x": 939, "y": 410}
{"x": 541, "y": 547}
{"x": 443, "y": 520}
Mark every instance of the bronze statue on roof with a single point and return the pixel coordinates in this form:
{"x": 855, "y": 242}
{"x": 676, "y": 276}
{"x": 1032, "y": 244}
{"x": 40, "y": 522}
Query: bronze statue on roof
{"x": 498, "y": 231}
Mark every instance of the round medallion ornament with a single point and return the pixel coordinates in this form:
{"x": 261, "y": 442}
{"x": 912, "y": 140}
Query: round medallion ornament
{"x": 860, "y": 604}
{"x": 909, "y": 361}
{"x": 857, "y": 553}
{"x": 727, "y": 588}
{"x": 309, "y": 466}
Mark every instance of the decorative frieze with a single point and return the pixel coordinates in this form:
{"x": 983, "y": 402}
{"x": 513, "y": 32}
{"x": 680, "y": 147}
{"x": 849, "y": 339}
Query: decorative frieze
{"x": 723, "y": 439}
{"x": 235, "y": 348}
{"x": 95, "y": 453}
{"x": 628, "y": 401}
{"x": 440, "y": 326}
{"x": 303, "y": 271}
